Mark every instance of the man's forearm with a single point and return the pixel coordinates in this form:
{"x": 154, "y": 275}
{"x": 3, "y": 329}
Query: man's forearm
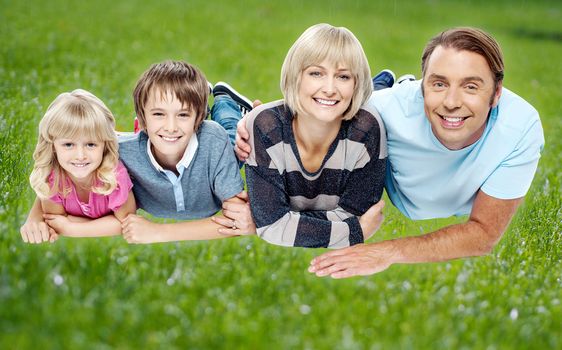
{"x": 451, "y": 242}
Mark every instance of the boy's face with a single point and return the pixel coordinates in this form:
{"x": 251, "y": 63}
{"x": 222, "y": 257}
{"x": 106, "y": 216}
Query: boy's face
{"x": 169, "y": 126}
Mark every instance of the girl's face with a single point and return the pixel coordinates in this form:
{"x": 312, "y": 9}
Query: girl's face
{"x": 79, "y": 157}
{"x": 326, "y": 90}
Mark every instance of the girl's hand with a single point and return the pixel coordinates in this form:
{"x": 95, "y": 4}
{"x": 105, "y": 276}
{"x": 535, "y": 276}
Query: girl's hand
{"x": 237, "y": 218}
{"x": 137, "y": 229}
{"x": 37, "y": 232}
{"x": 372, "y": 220}
{"x": 59, "y": 223}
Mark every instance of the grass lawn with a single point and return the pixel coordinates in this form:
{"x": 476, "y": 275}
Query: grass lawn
{"x": 243, "y": 293}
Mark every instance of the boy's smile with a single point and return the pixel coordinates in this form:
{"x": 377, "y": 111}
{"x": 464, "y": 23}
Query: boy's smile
{"x": 169, "y": 126}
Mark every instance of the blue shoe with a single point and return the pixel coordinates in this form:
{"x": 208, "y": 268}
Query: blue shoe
{"x": 406, "y": 77}
{"x": 222, "y": 88}
{"x": 383, "y": 80}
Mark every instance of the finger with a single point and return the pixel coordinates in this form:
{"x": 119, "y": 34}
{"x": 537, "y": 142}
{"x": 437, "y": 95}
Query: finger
{"x": 23, "y": 234}
{"x": 229, "y": 232}
{"x": 256, "y": 103}
{"x": 242, "y": 155}
{"x": 242, "y": 130}
{"x": 226, "y": 222}
{"x": 346, "y": 273}
{"x": 243, "y": 195}
{"x": 49, "y": 216}
{"x": 35, "y": 237}
{"x": 329, "y": 255}
{"x": 44, "y": 231}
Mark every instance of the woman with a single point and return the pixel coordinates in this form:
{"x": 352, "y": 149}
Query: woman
{"x": 318, "y": 158}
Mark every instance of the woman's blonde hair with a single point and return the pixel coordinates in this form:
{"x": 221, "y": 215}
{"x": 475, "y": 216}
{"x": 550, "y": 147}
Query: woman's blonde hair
{"x": 71, "y": 115}
{"x": 335, "y": 44}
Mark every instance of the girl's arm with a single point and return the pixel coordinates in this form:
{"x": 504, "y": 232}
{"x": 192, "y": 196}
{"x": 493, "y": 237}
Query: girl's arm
{"x": 72, "y": 226}
{"x": 35, "y": 230}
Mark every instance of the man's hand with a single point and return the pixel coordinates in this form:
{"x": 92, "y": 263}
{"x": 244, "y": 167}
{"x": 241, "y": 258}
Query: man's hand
{"x": 37, "y": 232}
{"x": 358, "y": 260}
{"x": 372, "y": 219}
{"x": 137, "y": 229}
{"x": 237, "y": 218}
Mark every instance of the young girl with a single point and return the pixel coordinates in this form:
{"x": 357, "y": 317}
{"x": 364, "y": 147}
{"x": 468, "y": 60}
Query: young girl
{"x": 317, "y": 161}
{"x": 77, "y": 175}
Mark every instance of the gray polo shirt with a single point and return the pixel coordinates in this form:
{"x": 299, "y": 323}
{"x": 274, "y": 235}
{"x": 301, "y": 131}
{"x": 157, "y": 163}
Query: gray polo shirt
{"x": 208, "y": 175}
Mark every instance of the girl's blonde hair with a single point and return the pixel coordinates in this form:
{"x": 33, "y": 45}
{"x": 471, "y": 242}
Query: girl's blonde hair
{"x": 71, "y": 115}
{"x": 335, "y": 44}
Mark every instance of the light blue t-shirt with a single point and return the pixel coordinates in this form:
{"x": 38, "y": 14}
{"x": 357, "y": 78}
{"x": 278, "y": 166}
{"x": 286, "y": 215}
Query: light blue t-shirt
{"x": 426, "y": 180}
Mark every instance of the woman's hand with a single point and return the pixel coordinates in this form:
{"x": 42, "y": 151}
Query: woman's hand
{"x": 372, "y": 220}
{"x": 237, "y": 218}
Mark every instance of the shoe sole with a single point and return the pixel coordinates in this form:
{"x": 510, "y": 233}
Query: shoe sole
{"x": 223, "y": 88}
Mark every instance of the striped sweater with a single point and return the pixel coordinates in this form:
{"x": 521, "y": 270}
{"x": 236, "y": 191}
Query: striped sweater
{"x": 293, "y": 207}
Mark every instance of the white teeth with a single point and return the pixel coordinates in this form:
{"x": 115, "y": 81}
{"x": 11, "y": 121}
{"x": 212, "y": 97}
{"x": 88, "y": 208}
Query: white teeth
{"x": 326, "y": 102}
{"x": 80, "y": 165}
{"x": 453, "y": 120}
{"x": 171, "y": 139}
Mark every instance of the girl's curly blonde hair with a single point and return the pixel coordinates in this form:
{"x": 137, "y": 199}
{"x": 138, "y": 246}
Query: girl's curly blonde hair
{"x": 72, "y": 115}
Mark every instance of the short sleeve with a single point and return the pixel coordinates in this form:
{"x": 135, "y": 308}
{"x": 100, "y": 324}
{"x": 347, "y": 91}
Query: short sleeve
{"x": 57, "y": 198}
{"x": 514, "y": 175}
{"x": 119, "y": 196}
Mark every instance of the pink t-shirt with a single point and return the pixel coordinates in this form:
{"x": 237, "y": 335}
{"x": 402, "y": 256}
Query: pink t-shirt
{"x": 98, "y": 204}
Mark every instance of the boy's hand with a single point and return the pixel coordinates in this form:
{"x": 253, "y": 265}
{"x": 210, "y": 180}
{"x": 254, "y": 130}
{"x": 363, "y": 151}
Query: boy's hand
{"x": 237, "y": 218}
{"x": 37, "y": 232}
{"x": 372, "y": 220}
{"x": 136, "y": 229}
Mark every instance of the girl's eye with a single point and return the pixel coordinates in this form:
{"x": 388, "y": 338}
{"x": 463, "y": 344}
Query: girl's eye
{"x": 91, "y": 145}
{"x": 67, "y": 145}
{"x": 158, "y": 114}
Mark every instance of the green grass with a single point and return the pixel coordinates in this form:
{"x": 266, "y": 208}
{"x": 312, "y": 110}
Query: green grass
{"x": 243, "y": 293}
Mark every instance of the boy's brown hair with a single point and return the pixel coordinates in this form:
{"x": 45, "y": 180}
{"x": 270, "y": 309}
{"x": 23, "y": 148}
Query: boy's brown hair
{"x": 185, "y": 81}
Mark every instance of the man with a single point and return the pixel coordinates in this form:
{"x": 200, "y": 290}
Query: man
{"x": 459, "y": 143}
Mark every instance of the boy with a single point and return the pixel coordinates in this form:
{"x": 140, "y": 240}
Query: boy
{"x": 182, "y": 166}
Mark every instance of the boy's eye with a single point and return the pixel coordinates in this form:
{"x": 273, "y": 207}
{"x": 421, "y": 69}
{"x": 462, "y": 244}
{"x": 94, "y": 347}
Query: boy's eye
{"x": 158, "y": 114}
{"x": 183, "y": 115}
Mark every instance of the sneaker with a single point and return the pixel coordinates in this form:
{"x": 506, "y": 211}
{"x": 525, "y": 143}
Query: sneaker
{"x": 222, "y": 88}
{"x": 406, "y": 77}
{"x": 384, "y": 79}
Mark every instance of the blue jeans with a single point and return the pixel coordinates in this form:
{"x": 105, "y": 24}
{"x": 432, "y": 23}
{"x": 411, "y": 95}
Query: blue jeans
{"x": 226, "y": 112}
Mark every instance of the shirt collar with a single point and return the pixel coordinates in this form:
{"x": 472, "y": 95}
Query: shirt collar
{"x": 184, "y": 162}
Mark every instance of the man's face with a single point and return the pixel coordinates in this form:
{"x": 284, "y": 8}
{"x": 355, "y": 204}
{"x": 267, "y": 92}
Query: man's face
{"x": 169, "y": 126}
{"x": 459, "y": 91}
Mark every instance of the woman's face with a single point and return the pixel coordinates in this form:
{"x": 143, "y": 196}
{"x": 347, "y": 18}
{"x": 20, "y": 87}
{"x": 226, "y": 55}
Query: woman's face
{"x": 326, "y": 90}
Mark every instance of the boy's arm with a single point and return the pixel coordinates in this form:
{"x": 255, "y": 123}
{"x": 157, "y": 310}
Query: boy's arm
{"x": 137, "y": 229}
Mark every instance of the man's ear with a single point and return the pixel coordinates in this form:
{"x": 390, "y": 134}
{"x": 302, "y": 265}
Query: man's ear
{"x": 497, "y": 94}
